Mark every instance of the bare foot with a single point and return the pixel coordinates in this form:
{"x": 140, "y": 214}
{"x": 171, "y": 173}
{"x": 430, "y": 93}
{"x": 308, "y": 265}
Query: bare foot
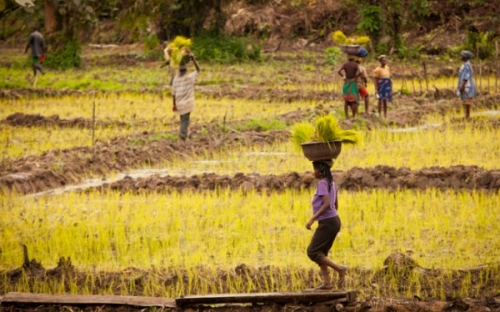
{"x": 324, "y": 287}
{"x": 342, "y": 274}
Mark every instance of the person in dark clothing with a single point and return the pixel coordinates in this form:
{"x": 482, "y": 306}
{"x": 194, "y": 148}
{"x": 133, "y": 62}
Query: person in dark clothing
{"x": 325, "y": 206}
{"x": 37, "y": 44}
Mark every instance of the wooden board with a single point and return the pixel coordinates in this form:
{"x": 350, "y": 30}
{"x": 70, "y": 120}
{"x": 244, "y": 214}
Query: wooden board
{"x": 28, "y": 298}
{"x": 284, "y": 297}
{"x": 288, "y": 297}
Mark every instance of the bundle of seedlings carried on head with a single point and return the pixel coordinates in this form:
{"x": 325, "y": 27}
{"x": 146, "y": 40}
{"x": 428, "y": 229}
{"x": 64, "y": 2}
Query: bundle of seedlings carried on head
{"x": 351, "y": 45}
{"x": 324, "y": 139}
{"x": 177, "y": 51}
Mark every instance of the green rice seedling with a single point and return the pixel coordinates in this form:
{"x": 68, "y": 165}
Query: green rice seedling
{"x": 326, "y": 129}
{"x": 121, "y": 230}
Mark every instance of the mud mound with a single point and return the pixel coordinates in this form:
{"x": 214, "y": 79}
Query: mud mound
{"x": 62, "y": 167}
{"x": 394, "y": 283}
{"x": 356, "y": 179}
{"x": 37, "y": 120}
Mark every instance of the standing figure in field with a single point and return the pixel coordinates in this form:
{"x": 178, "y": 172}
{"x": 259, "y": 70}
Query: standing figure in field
{"x": 37, "y": 44}
{"x": 350, "y": 72}
{"x": 466, "y": 87}
{"x": 325, "y": 206}
{"x": 362, "y": 84}
{"x": 183, "y": 95}
{"x": 383, "y": 84}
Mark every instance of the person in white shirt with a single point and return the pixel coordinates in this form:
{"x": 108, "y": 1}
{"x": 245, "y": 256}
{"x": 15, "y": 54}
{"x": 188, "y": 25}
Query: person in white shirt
{"x": 183, "y": 95}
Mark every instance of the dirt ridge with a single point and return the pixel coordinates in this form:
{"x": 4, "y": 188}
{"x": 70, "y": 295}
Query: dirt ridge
{"x": 355, "y": 179}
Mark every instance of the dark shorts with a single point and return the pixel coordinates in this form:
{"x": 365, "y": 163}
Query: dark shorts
{"x": 323, "y": 238}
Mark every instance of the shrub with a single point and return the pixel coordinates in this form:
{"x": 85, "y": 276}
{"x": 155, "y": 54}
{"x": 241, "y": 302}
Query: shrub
{"x": 65, "y": 56}
{"x": 332, "y": 55}
{"x": 225, "y": 49}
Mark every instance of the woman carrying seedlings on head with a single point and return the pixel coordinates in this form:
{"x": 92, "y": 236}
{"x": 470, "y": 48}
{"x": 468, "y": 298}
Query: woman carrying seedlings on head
{"x": 466, "y": 88}
{"x": 383, "y": 84}
{"x": 325, "y": 207}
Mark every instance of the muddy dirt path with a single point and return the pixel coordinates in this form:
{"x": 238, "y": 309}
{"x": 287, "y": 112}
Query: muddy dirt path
{"x": 356, "y": 179}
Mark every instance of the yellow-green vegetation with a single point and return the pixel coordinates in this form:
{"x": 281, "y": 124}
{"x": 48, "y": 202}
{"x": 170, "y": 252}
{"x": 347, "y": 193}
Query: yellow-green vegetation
{"x": 198, "y": 234}
{"x": 223, "y": 229}
{"x": 177, "y": 50}
{"x": 139, "y": 112}
{"x": 339, "y": 37}
{"x": 325, "y": 129}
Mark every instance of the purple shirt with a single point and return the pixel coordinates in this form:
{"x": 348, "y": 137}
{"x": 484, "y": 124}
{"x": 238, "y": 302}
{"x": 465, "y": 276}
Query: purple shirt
{"x": 317, "y": 202}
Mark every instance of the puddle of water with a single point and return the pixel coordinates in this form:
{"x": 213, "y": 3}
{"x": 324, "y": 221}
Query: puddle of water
{"x": 415, "y": 129}
{"x": 266, "y": 154}
{"x": 487, "y": 113}
{"x": 135, "y": 174}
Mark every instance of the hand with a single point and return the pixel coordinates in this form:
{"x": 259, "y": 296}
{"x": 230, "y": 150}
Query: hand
{"x": 309, "y": 224}
{"x": 174, "y": 108}
{"x": 462, "y": 89}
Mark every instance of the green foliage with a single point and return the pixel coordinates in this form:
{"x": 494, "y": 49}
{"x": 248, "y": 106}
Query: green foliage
{"x": 261, "y": 125}
{"x": 64, "y": 56}
{"x": 151, "y": 42}
{"x": 302, "y": 133}
{"x": 371, "y": 21}
{"x": 480, "y": 44}
{"x": 382, "y": 48}
{"x": 405, "y": 52}
{"x": 326, "y": 129}
{"x": 332, "y": 55}
{"x": 224, "y": 49}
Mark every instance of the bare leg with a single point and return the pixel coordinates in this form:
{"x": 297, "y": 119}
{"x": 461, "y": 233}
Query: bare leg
{"x": 354, "y": 110}
{"x": 385, "y": 109}
{"x": 325, "y": 273}
{"x": 341, "y": 270}
{"x": 346, "y": 110}
{"x": 379, "y": 107}
{"x": 467, "y": 111}
{"x": 367, "y": 105}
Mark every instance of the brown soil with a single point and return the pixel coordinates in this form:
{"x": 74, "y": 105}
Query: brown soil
{"x": 396, "y": 271}
{"x": 380, "y": 177}
{"x": 58, "y": 168}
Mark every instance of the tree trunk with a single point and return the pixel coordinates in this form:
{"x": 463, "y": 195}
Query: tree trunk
{"x": 50, "y": 16}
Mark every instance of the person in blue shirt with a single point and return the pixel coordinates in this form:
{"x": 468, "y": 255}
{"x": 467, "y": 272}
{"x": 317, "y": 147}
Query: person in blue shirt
{"x": 466, "y": 88}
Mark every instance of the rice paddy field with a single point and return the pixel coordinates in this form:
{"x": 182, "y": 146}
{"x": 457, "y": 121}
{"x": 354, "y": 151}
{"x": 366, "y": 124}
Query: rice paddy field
{"x": 192, "y": 241}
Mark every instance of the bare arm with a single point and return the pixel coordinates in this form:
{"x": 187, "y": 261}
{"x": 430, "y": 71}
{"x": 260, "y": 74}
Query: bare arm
{"x": 322, "y": 210}
{"x": 195, "y": 63}
{"x": 340, "y": 72}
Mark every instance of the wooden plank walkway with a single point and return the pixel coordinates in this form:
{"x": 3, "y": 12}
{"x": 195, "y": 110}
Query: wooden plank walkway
{"x": 13, "y": 298}
{"x": 29, "y": 298}
{"x": 283, "y": 297}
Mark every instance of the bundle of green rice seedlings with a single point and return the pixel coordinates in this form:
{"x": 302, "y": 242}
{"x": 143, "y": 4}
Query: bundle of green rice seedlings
{"x": 302, "y": 133}
{"x": 177, "y": 51}
{"x": 351, "y": 137}
{"x": 328, "y": 129}
{"x": 325, "y": 129}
